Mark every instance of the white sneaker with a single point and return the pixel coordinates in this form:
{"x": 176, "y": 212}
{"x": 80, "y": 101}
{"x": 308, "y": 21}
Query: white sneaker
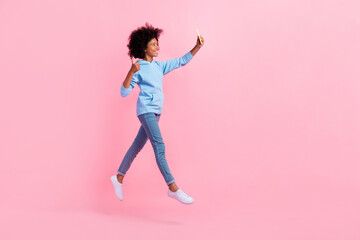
{"x": 117, "y": 187}
{"x": 180, "y": 196}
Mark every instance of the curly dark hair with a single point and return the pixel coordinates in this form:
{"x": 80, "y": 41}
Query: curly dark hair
{"x": 139, "y": 39}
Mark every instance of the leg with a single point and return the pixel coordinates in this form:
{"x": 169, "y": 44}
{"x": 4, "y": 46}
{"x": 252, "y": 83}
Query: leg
{"x": 149, "y": 121}
{"x": 134, "y": 149}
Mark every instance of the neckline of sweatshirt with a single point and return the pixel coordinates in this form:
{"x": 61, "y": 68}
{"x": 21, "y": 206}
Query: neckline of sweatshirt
{"x": 145, "y": 62}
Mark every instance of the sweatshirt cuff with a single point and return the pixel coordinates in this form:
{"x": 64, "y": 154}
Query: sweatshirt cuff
{"x": 125, "y": 91}
{"x": 189, "y": 56}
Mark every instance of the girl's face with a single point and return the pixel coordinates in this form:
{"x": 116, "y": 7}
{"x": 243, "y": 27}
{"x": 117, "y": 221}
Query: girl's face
{"x": 152, "y": 48}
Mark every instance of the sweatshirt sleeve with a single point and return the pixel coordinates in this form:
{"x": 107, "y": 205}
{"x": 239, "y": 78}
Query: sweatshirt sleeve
{"x": 168, "y": 66}
{"x": 126, "y": 91}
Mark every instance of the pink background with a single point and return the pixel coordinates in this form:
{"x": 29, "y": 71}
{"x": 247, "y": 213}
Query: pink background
{"x": 261, "y": 127}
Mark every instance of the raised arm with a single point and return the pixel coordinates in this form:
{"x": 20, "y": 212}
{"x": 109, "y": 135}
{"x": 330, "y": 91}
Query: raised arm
{"x": 168, "y": 66}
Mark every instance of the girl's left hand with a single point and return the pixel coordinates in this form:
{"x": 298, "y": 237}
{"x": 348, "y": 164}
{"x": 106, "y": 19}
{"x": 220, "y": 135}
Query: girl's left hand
{"x": 198, "y": 41}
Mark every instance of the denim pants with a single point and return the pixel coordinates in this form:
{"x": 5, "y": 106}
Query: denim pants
{"x": 149, "y": 129}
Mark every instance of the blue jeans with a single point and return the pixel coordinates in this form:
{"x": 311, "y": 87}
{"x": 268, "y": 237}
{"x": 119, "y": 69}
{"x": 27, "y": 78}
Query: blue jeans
{"x": 149, "y": 129}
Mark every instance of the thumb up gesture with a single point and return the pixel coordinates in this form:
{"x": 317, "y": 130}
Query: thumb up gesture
{"x": 134, "y": 66}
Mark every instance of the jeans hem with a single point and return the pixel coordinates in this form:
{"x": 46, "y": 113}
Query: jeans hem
{"x": 170, "y": 182}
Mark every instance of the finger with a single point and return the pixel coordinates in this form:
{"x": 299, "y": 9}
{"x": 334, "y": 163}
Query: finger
{"x": 132, "y": 62}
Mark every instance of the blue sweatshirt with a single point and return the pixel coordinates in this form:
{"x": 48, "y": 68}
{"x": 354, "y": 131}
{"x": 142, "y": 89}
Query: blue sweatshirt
{"x": 149, "y": 79}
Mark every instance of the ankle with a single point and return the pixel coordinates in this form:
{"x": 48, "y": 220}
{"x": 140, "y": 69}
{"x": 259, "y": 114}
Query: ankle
{"x": 173, "y": 187}
{"x": 120, "y": 178}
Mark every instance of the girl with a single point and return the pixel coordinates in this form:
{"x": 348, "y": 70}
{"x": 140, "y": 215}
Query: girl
{"x": 148, "y": 75}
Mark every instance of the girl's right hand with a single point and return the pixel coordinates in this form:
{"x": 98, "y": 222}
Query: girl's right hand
{"x": 134, "y": 66}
